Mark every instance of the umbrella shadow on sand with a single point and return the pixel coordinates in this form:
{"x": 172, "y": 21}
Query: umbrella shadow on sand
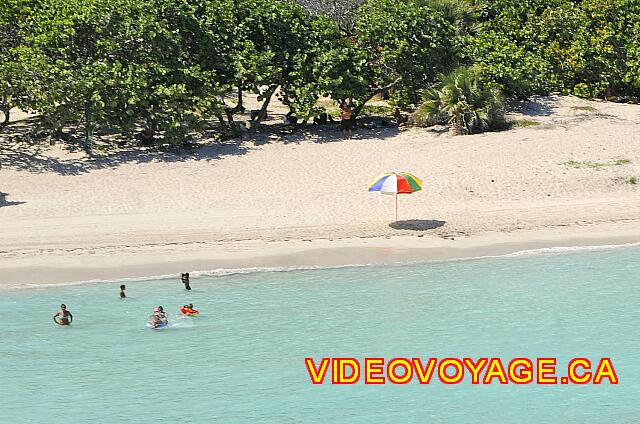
{"x": 417, "y": 224}
{"x": 5, "y": 202}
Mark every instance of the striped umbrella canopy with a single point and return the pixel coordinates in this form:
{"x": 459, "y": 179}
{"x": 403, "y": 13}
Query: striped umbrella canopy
{"x": 396, "y": 183}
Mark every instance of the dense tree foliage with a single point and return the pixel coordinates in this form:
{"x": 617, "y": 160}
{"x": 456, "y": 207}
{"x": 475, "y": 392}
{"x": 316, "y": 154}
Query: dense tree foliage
{"x": 276, "y": 45}
{"x": 164, "y": 69}
{"x": 13, "y": 74}
{"x": 113, "y": 63}
{"x": 419, "y": 47}
{"x": 589, "y": 48}
{"x": 343, "y": 12}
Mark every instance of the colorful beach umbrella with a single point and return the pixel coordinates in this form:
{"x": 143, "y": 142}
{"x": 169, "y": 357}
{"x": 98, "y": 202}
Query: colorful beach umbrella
{"x": 396, "y": 183}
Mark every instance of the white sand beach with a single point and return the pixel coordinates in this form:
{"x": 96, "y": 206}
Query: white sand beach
{"x": 302, "y": 199}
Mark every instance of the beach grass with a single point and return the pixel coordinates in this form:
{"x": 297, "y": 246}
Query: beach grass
{"x": 584, "y": 108}
{"x": 595, "y": 165}
{"x": 376, "y": 110}
{"x": 524, "y": 123}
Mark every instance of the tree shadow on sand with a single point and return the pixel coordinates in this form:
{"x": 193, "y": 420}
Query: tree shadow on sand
{"x": 536, "y": 106}
{"x": 417, "y": 224}
{"x": 5, "y": 202}
{"x": 35, "y": 158}
{"x": 25, "y": 151}
{"x": 320, "y": 133}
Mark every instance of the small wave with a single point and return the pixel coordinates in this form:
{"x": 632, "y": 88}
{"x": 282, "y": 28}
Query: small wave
{"x": 569, "y": 249}
{"x": 217, "y": 272}
{"x": 222, "y": 272}
{"x": 82, "y": 282}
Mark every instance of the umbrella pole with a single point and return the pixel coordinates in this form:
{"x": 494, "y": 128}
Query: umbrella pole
{"x": 396, "y": 207}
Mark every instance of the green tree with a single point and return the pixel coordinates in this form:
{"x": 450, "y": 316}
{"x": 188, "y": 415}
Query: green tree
{"x": 606, "y": 46}
{"x": 275, "y": 43}
{"x": 397, "y": 46}
{"x": 112, "y": 63}
{"x": 14, "y": 82}
{"x": 79, "y": 57}
{"x": 506, "y": 42}
{"x": 189, "y": 65}
{"x": 589, "y": 48}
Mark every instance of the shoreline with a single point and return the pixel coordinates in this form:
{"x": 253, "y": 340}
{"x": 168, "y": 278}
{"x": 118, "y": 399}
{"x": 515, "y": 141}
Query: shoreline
{"x": 261, "y": 256}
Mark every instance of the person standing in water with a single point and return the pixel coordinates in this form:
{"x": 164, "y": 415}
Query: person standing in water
{"x": 122, "y": 294}
{"x": 63, "y": 317}
{"x": 185, "y": 280}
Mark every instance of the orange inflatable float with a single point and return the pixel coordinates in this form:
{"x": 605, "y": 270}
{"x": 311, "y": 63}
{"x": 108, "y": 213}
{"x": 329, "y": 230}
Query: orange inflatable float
{"x": 189, "y": 310}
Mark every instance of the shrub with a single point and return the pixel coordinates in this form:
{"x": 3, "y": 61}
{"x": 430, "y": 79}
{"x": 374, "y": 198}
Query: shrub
{"x": 464, "y": 101}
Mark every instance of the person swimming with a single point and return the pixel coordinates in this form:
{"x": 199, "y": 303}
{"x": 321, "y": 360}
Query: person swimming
{"x": 63, "y": 317}
{"x": 122, "y": 294}
{"x": 154, "y": 321}
{"x": 159, "y": 318}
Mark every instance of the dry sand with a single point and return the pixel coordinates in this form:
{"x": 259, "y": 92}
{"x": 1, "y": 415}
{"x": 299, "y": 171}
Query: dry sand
{"x": 302, "y": 199}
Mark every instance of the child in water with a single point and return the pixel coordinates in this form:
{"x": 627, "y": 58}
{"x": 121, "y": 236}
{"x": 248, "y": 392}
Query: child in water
{"x": 122, "y": 295}
{"x": 189, "y": 310}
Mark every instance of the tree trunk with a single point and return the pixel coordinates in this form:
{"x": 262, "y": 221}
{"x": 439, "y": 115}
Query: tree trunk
{"x": 414, "y": 92}
{"x": 221, "y": 119}
{"x": 6, "y": 110}
{"x": 265, "y": 105}
{"x": 229, "y": 113}
{"x": 358, "y": 108}
{"x": 459, "y": 124}
{"x": 240, "y": 106}
{"x": 149, "y": 131}
{"x": 7, "y": 115}
{"x": 88, "y": 128}
{"x": 88, "y": 139}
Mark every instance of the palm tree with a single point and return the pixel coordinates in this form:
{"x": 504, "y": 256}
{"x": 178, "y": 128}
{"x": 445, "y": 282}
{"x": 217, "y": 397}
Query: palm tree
{"x": 463, "y": 101}
{"x": 461, "y": 13}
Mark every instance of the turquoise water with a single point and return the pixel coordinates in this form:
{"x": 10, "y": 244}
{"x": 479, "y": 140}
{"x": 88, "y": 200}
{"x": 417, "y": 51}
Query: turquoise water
{"x": 242, "y": 361}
